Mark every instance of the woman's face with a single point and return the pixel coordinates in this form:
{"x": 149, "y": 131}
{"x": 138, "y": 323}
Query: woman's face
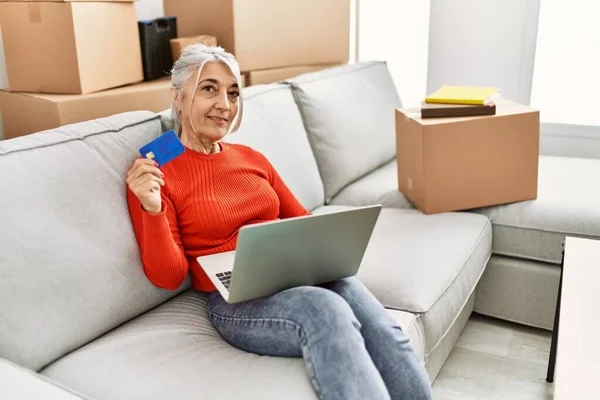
{"x": 215, "y": 102}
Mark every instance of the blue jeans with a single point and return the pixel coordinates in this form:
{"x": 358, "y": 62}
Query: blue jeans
{"x": 352, "y": 347}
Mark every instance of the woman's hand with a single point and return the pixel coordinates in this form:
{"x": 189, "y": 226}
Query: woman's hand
{"x": 145, "y": 180}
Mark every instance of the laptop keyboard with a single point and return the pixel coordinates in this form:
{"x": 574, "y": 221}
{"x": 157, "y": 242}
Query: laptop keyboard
{"x": 225, "y": 278}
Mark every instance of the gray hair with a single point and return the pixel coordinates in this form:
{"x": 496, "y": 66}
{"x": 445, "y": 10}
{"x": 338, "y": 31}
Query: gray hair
{"x": 192, "y": 60}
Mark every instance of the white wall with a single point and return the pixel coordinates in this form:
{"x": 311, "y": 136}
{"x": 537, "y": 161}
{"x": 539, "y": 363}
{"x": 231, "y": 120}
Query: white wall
{"x": 494, "y": 43}
{"x": 483, "y": 43}
{"x": 149, "y": 9}
{"x": 567, "y": 61}
{"x": 565, "y": 84}
{"x": 397, "y": 31}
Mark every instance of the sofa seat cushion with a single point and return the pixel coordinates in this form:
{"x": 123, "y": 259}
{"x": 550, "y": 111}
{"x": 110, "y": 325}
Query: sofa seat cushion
{"x": 567, "y": 205}
{"x": 21, "y": 383}
{"x": 174, "y": 352}
{"x": 426, "y": 264}
{"x": 378, "y": 187}
{"x": 413, "y": 327}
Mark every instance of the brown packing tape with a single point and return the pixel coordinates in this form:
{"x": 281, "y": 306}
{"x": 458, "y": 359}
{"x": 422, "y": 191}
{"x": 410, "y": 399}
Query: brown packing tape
{"x": 35, "y": 13}
{"x": 266, "y": 76}
{"x": 178, "y": 44}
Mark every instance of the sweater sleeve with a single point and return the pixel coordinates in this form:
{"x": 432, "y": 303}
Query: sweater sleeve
{"x": 160, "y": 245}
{"x": 289, "y": 206}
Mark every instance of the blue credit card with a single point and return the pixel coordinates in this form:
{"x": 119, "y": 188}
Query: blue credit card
{"x": 164, "y": 148}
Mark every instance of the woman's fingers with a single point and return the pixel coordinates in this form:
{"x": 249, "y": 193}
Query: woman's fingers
{"x": 141, "y": 161}
{"x": 142, "y": 169}
{"x": 137, "y": 182}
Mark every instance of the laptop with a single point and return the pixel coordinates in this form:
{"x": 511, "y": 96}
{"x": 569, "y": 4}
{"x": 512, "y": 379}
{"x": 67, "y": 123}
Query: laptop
{"x": 302, "y": 251}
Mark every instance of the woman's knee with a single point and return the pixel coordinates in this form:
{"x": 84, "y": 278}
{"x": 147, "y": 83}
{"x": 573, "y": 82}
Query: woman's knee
{"x": 347, "y": 286}
{"x": 320, "y": 306}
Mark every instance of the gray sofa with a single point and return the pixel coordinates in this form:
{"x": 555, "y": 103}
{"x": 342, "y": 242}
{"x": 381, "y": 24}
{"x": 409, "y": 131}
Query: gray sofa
{"x": 79, "y": 318}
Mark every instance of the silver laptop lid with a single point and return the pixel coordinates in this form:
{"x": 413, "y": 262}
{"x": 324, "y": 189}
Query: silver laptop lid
{"x": 277, "y": 255}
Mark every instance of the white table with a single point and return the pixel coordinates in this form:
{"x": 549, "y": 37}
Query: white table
{"x": 577, "y": 371}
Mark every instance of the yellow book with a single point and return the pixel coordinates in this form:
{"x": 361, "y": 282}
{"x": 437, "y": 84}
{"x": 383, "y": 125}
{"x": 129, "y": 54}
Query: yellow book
{"x": 462, "y": 95}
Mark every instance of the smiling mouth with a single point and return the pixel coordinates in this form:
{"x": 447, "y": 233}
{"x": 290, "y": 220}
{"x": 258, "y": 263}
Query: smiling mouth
{"x": 218, "y": 119}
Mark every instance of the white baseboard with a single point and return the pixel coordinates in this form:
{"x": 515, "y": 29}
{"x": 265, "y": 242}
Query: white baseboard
{"x": 570, "y": 140}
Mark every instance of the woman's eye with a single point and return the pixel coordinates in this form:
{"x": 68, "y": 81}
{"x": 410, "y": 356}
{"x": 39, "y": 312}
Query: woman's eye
{"x": 210, "y": 88}
{"x": 234, "y": 94}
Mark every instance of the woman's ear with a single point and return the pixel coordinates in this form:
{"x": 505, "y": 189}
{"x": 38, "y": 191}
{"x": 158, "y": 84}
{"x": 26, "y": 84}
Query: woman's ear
{"x": 176, "y": 99}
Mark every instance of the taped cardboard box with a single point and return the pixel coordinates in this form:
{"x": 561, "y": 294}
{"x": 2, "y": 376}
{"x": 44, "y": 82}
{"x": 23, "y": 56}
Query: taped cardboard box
{"x": 451, "y": 164}
{"x": 25, "y": 113}
{"x": 68, "y": 1}
{"x": 177, "y": 45}
{"x": 266, "y": 76}
{"x": 64, "y": 47}
{"x": 270, "y": 34}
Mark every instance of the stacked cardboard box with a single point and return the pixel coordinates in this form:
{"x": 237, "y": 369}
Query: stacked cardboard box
{"x": 460, "y": 163}
{"x": 77, "y": 51}
{"x": 272, "y": 40}
{"x": 25, "y": 113}
{"x": 266, "y": 76}
{"x": 70, "y": 47}
{"x": 177, "y": 45}
{"x": 83, "y": 49}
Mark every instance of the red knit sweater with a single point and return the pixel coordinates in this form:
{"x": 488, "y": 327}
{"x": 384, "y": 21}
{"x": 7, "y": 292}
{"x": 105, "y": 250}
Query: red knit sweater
{"x": 206, "y": 199}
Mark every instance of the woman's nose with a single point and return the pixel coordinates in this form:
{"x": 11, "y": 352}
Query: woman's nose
{"x": 223, "y": 102}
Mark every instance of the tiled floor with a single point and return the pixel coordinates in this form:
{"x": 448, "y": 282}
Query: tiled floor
{"x": 495, "y": 359}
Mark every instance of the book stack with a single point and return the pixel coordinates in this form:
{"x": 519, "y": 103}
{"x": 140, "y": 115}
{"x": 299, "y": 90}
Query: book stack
{"x": 460, "y": 101}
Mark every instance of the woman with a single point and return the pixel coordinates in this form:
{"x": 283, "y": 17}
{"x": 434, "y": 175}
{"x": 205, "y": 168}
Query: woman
{"x": 195, "y": 206}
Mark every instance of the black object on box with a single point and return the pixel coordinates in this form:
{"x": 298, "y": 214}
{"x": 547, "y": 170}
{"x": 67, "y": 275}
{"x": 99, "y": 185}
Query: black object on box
{"x": 157, "y": 59}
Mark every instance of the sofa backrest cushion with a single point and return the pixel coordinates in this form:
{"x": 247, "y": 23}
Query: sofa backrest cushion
{"x": 348, "y": 112}
{"x": 272, "y": 125}
{"x": 69, "y": 263}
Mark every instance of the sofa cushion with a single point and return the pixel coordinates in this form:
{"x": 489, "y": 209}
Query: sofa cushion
{"x": 378, "y": 187}
{"x": 567, "y": 205}
{"x": 426, "y": 264}
{"x": 69, "y": 263}
{"x": 413, "y": 327}
{"x": 22, "y": 383}
{"x": 518, "y": 290}
{"x": 272, "y": 125}
{"x": 174, "y": 351}
{"x": 348, "y": 113}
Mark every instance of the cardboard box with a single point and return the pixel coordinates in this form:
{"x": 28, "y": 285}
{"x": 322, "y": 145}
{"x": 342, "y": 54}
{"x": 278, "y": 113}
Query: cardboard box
{"x": 177, "y": 45}
{"x": 69, "y": 1}
{"x": 266, "y": 76}
{"x": 266, "y": 34}
{"x": 25, "y": 113}
{"x": 450, "y": 164}
{"x": 65, "y": 47}
{"x": 66, "y": 1}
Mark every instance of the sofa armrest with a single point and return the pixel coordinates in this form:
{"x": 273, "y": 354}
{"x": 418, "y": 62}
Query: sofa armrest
{"x": 19, "y": 383}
